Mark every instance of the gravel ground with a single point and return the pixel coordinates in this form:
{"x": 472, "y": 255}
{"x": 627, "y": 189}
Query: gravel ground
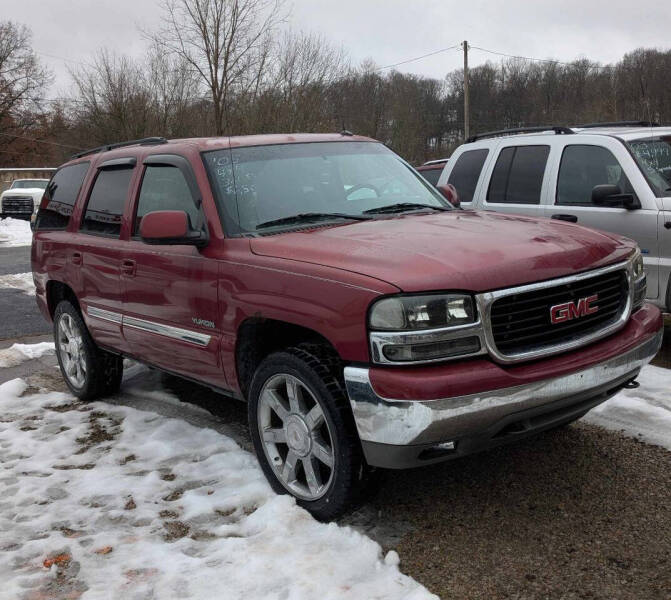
{"x": 577, "y": 513}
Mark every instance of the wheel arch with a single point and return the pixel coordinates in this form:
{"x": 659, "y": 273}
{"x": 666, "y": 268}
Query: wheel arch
{"x": 259, "y": 337}
{"x": 58, "y": 291}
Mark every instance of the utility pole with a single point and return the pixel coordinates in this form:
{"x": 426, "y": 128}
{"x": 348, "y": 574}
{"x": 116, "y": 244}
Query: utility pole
{"x": 467, "y": 108}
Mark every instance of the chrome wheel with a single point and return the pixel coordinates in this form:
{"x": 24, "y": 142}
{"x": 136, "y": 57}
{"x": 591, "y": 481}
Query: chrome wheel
{"x": 71, "y": 351}
{"x": 296, "y": 437}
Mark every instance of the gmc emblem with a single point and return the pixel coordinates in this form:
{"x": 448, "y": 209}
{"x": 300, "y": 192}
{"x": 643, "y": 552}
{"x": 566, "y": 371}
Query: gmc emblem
{"x": 573, "y": 310}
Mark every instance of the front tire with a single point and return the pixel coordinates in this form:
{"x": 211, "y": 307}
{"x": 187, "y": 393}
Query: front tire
{"x": 304, "y": 433}
{"x": 88, "y": 371}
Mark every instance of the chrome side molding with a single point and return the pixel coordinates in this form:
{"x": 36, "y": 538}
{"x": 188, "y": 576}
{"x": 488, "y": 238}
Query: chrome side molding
{"x": 176, "y": 333}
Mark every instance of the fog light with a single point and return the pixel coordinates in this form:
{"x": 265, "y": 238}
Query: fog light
{"x": 431, "y": 351}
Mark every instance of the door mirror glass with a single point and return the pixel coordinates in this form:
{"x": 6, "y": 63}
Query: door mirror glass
{"x": 169, "y": 227}
{"x": 611, "y": 195}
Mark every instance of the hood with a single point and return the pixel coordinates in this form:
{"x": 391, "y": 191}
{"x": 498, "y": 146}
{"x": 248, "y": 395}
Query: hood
{"x": 460, "y": 250}
{"x": 22, "y": 192}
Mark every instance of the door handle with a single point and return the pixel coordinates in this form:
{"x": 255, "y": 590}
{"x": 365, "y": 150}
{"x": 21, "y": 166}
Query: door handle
{"x": 128, "y": 267}
{"x": 76, "y": 258}
{"x": 568, "y": 218}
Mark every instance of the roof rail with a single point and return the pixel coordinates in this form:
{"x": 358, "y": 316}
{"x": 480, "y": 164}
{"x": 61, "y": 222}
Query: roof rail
{"x": 490, "y": 134}
{"x": 620, "y": 124}
{"x": 142, "y": 142}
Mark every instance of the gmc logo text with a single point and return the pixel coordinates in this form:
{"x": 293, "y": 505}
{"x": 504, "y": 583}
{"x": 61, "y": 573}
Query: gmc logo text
{"x": 573, "y": 310}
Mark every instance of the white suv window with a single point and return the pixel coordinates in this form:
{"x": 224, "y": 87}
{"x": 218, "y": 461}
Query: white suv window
{"x": 518, "y": 175}
{"x": 582, "y": 168}
{"x": 466, "y": 172}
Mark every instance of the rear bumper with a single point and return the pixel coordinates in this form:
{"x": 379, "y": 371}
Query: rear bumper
{"x": 404, "y": 433}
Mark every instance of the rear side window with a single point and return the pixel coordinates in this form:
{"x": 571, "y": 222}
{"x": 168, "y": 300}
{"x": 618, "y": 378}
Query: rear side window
{"x": 60, "y": 197}
{"x": 466, "y": 172}
{"x": 106, "y": 202}
{"x": 582, "y": 168}
{"x": 518, "y": 175}
{"x": 431, "y": 175}
{"x": 164, "y": 188}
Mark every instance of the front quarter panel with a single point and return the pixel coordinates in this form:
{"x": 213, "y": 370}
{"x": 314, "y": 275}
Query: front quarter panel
{"x": 332, "y": 302}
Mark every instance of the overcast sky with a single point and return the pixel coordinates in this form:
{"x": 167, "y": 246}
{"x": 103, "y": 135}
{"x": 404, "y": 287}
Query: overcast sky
{"x": 388, "y": 31}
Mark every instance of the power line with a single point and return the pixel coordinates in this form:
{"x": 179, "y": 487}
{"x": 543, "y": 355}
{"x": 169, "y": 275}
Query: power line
{"x": 543, "y": 60}
{"x": 405, "y": 62}
{"x": 75, "y": 62}
{"x": 13, "y": 153}
{"x": 23, "y": 137}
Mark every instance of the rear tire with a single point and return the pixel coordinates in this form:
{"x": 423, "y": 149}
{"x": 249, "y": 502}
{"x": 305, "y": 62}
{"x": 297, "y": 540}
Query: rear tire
{"x": 304, "y": 434}
{"x": 88, "y": 371}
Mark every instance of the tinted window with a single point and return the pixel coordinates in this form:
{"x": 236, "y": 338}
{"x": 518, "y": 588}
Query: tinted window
{"x": 106, "y": 202}
{"x": 518, "y": 175}
{"x": 584, "y": 167}
{"x": 164, "y": 188}
{"x": 60, "y": 196}
{"x": 466, "y": 172}
{"x": 431, "y": 175}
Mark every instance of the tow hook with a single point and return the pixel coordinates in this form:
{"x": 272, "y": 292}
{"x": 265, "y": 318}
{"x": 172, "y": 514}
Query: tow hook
{"x": 632, "y": 384}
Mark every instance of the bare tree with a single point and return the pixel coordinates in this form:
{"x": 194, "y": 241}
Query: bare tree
{"x": 225, "y": 41}
{"x": 22, "y": 78}
{"x": 114, "y": 101}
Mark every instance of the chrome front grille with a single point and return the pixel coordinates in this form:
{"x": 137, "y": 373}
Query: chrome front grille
{"x": 519, "y": 324}
{"x": 522, "y": 322}
{"x": 17, "y": 205}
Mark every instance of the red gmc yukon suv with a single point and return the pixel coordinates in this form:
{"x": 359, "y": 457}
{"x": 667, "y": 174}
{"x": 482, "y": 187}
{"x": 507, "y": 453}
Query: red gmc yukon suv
{"x": 366, "y": 322}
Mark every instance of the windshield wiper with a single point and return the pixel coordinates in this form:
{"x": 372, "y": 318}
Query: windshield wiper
{"x": 310, "y": 216}
{"x": 403, "y": 206}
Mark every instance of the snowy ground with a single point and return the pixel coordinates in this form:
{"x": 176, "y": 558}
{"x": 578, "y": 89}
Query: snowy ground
{"x": 644, "y": 412}
{"x": 114, "y": 502}
{"x": 19, "y": 281}
{"x": 15, "y": 232}
{"x": 18, "y": 353}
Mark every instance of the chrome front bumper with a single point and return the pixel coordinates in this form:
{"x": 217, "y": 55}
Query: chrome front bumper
{"x": 448, "y": 423}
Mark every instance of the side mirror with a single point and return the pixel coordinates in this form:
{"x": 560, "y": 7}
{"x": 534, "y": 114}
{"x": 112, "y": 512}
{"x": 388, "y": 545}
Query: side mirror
{"x": 449, "y": 192}
{"x": 164, "y": 227}
{"x": 611, "y": 195}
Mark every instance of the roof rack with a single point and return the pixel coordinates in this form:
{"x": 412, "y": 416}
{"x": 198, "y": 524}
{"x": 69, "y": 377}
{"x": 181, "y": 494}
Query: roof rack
{"x": 620, "y": 124}
{"x": 148, "y": 141}
{"x": 559, "y": 130}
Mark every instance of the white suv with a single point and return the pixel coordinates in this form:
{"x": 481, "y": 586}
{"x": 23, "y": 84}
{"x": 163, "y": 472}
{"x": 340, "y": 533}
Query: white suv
{"x": 22, "y": 198}
{"x": 610, "y": 176}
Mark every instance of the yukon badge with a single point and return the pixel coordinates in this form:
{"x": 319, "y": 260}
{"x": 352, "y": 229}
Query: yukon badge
{"x": 573, "y": 310}
{"x": 203, "y": 322}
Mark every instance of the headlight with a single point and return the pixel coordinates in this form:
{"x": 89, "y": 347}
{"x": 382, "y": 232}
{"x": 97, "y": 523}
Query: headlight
{"x": 421, "y": 312}
{"x": 426, "y": 328}
{"x": 639, "y": 280}
{"x": 637, "y": 264}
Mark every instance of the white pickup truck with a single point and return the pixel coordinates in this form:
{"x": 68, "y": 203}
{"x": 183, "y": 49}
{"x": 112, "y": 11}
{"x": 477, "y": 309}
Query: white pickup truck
{"x": 22, "y": 198}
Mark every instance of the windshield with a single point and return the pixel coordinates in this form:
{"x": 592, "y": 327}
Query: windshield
{"x": 259, "y": 185}
{"x": 24, "y": 184}
{"x": 654, "y": 157}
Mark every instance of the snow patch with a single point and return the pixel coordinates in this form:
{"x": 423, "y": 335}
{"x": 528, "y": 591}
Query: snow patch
{"x": 18, "y": 353}
{"x": 118, "y": 502}
{"x": 19, "y": 281}
{"x": 15, "y": 232}
{"x": 644, "y": 412}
